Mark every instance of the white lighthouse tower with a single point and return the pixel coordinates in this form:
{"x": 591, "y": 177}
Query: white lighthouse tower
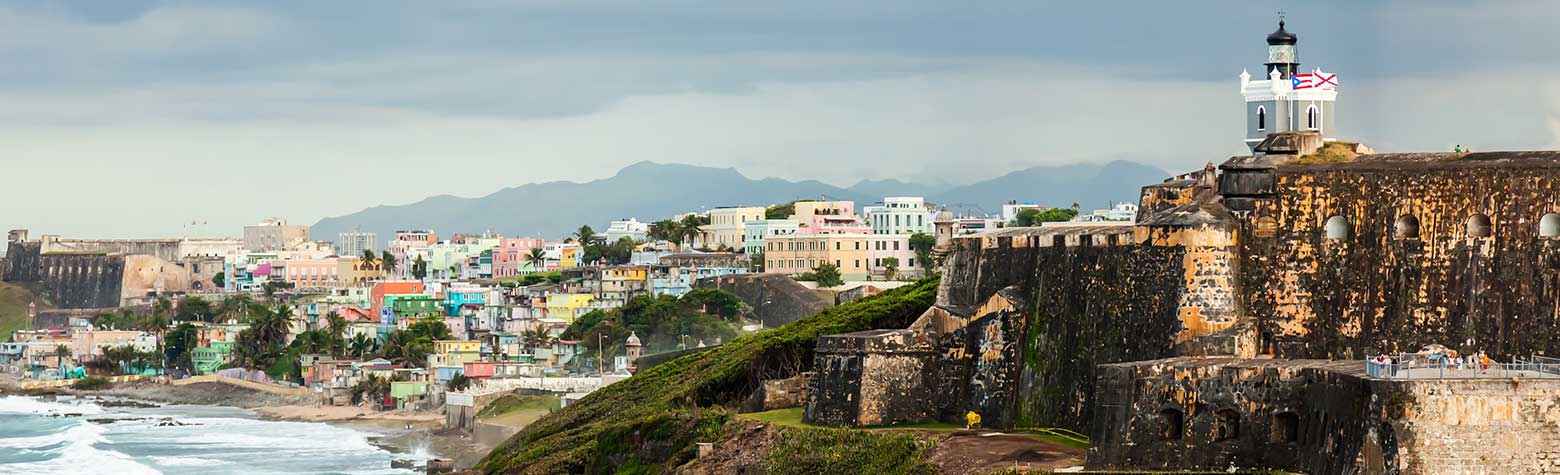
{"x": 1288, "y": 99}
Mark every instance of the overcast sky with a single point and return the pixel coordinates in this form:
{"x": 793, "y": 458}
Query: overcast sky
{"x": 132, "y": 119}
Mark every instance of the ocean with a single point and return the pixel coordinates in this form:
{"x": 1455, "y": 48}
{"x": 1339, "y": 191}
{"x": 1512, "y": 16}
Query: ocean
{"x": 59, "y": 437}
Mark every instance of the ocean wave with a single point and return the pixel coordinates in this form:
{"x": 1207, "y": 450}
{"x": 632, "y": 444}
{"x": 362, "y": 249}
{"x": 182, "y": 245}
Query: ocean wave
{"x": 185, "y": 461}
{"x": 78, "y": 454}
{"x": 27, "y": 405}
{"x": 82, "y": 432}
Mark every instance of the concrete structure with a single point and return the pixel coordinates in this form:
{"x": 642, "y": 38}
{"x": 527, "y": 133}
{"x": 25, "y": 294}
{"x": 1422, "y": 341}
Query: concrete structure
{"x": 828, "y": 217}
{"x": 725, "y": 231}
{"x": 676, "y": 274}
{"x": 799, "y": 254}
{"x": 625, "y": 228}
{"x": 754, "y": 233}
{"x": 883, "y": 247}
{"x": 353, "y": 243}
{"x": 274, "y": 234}
{"x": 900, "y": 215}
{"x": 512, "y": 256}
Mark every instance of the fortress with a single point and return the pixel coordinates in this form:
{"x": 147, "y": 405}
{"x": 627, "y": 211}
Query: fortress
{"x": 1228, "y": 327}
{"x": 88, "y": 274}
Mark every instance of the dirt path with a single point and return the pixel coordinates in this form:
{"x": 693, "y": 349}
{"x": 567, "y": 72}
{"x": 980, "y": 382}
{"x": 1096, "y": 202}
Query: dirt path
{"x": 973, "y": 452}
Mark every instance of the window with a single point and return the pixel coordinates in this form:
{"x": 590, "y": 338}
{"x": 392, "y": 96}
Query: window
{"x": 1286, "y": 428}
{"x": 858, "y": 263}
{"x": 1310, "y": 117}
{"x": 836, "y": 245}
{"x": 1261, "y": 118}
{"x": 912, "y": 262}
{"x": 1406, "y": 227}
{"x": 1171, "y": 424}
{"x": 1479, "y": 225}
{"x": 1226, "y": 425}
{"x": 896, "y": 245}
{"x": 1549, "y": 226}
{"x": 858, "y": 245}
{"x": 837, "y": 264}
{"x": 1337, "y": 227}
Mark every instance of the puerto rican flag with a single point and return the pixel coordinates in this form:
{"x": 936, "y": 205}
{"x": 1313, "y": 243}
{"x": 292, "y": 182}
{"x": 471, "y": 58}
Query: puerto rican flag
{"x": 1314, "y": 79}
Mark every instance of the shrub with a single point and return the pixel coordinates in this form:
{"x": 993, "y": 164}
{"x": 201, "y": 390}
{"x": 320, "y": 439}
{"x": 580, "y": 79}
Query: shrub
{"x": 94, "y": 383}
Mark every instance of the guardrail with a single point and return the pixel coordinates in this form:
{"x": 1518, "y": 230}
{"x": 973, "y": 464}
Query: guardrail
{"x": 1422, "y": 367}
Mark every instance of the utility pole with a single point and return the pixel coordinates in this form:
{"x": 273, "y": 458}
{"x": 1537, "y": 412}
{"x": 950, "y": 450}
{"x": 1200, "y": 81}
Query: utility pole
{"x": 601, "y": 361}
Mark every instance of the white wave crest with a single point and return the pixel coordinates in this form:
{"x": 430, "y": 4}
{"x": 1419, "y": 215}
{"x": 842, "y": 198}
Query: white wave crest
{"x": 27, "y": 405}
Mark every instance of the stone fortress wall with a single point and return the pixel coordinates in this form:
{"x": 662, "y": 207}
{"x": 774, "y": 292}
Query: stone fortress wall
{"x": 84, "y": 274}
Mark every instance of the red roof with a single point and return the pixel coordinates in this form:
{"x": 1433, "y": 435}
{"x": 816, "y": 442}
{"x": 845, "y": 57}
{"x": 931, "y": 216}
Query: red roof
{"x": 355, "y": 314}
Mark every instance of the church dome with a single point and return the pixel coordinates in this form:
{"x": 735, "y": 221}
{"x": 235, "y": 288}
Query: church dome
{"x": 1281, "y": 37}
{"x": 633, "y": 339}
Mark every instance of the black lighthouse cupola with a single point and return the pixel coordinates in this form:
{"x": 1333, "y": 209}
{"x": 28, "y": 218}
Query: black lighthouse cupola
{"x": 1281, "y": 52}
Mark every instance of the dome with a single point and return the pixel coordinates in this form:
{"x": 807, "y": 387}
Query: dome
{"x": 943, "y": 217}
{"x": 633, "y": 340}
{"x": 1282, "y": 37}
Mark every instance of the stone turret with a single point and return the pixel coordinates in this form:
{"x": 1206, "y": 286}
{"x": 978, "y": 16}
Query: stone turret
{"x": 634, "y": 349}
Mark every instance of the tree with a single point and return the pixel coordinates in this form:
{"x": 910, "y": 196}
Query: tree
{"x": 336, "y": 327}
{"x": 691, "y": 227}
{"x": 454, "y": 271}
{"x": 780, "y": 211}
{"x": 538, "y": 259}
{"x": 534, "y": 338}
{"x": 923, "y": 243}
{"x": 219, "y": 279}
{"x": 362, "y": 346}
{"x": 585, "y": 235}
{"x": 62, "y": 352}
{"x": 890, "y": 267}
{"x": 419, "y": 268}
{"x": 371, "y": 388}
{"x": 176, "y": 350}
{"x": 157, "y": 322}
{"x": 271, "y": 287}
{"x": 827, "y": 275}
{"x": 1025, "y": 217}
{"x": 387, "y": 262}
{"x": 619, "y": 252}
{"x": 756, "y": 262}
{"x": 369, "y": 257}
{"x": 1056, "y": 215}
{"x": 195, "y": 309}
{"x": 666, "y": 230}
{"x": 458, "y": 382}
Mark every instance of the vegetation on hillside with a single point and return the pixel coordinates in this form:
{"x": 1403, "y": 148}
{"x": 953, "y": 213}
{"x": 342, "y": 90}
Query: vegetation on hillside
{"x": 663, "y": 323}
{"x": 13, "y": 308}
{"x": 1034, "y": 217}
{"x": 1331, "y": 152}
{"x": 680, "y": 399}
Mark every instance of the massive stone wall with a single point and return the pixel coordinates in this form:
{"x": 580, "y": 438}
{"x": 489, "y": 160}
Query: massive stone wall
{"x": 71, "y": 280}
{"x": 1373, "y": 290}
{"x": 1319, "y": 417}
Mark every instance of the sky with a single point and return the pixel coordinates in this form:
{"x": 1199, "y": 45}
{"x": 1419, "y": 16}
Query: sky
{"x": 136, "y": 119}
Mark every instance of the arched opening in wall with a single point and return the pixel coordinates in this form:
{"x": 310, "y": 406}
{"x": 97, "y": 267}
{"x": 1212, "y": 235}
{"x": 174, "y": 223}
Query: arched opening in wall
{"x": 1310, "y": 118}
{"x": 1286, "y": 428}
{"x": 1226, "y": 425}
{"x": 1479, "y": 226}
{"x": 1172, "y": 424}
{"x": 1261, "y": 118}
{"x": 1406, "y": 227}
{"x": 1549, "y": 226}
{"x": 1337, "y": 227}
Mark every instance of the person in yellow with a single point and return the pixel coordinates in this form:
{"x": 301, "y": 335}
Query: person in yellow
{"x": 972, "y": 420}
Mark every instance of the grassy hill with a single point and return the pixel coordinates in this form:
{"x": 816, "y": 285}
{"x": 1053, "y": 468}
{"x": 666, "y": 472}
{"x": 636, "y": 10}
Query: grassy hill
{"x": 649, "y": 423}
{"x": 13, "y": 309}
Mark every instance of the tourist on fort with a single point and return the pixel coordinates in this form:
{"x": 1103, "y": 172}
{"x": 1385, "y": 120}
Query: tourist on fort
{"x": 1457, "y": 149}
{"x": 1484, "y": 362}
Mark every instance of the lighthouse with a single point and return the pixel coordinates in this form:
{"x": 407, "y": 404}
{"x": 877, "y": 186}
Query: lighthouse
{"x": 1286, "y": 98}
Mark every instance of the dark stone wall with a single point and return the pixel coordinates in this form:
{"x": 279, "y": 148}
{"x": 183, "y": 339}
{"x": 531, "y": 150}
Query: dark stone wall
{"x": 91, "y": 280}
{"x": 1316, "y": 297}
{"x": 836, "y": 388}
{"x": 775, "y": 298}
{"x": 980, "y": 364}
{"x": 1310, "y": 416}
{"x": 1085, "y": 305}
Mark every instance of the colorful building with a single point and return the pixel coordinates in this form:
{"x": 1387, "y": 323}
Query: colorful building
{"x": 800, "y": 254}
{"x": 725, "y": 230}
{"x": 900, "y": 215}
{"x": 828, "y": 217}
{"x": 754, "y": 233}
{"x": 377, "y": 293}
{"x": 568, "y": 306}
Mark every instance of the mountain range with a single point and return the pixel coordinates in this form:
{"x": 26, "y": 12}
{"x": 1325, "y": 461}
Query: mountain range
{"x": 652, "y": 191}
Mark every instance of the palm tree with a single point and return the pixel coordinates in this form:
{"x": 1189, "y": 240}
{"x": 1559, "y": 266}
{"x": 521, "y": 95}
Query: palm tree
{"x": 387, "y": 262}
{"x": 157, "y": 322}
{"x": 585, "y": 235}
{"x": 369, "y": 257}
{"x": 362, "y": 346}
{"x": 690, "y": 227}
{"x": 538, "y": 259}
{"x": 337, "y": 329}
{"x": 235, "y": 306}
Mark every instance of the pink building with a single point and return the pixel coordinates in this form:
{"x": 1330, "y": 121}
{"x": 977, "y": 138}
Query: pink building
{"x": 829, "y": 217}
{"x": 883, "y": 246}
{"x": 510, "y": 255}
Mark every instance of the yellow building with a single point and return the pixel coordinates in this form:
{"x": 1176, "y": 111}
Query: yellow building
{"x": 615, "y": 285}
{"x": 727, "y": 224}
{"x": 352, "y": 271}
{"x": 568, "y": 306}
{"x": 799, "y": 254}
{"x": 454, "y": 353}
{"x": 457, "y": 346}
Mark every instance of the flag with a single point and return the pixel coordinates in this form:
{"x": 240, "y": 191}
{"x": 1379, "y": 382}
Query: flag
{"x": 1314, "y": 79}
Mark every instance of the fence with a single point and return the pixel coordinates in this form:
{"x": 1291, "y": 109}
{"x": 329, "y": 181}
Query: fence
{"x": 1438, "y": 367}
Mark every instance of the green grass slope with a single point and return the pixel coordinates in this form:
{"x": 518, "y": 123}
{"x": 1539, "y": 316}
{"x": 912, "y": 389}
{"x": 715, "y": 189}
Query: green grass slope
{"x": 13, "y": 309}
{"x": 650, "y": 422}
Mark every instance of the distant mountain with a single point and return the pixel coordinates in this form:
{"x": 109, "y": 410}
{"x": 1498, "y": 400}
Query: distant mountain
{"x": 652, "y": 191}
{"x": 892, "y": 187}
{"x": 1090, "y": 185}
{"x": 647, "y": 191}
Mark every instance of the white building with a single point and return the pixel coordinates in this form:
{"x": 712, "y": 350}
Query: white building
{"x": 1011, "y": 208}
{"x": 274, "y": 235}
{"x": 1119, "y": 212}
{"x": 900, "y": 215}
{"x": 353, "y": 243}
{"x": 626, "y": 228}
{"x": 754, "y": 233}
